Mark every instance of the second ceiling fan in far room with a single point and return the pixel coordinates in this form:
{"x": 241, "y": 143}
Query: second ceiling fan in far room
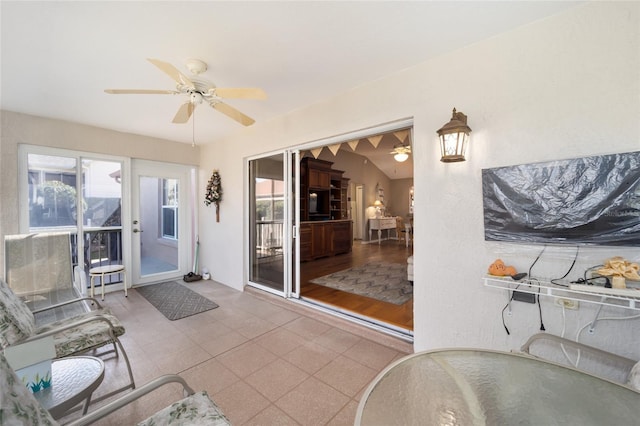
{"x": 198, "y": 90}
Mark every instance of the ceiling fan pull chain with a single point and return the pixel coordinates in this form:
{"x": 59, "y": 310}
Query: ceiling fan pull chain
{"x": 193, "y": 133}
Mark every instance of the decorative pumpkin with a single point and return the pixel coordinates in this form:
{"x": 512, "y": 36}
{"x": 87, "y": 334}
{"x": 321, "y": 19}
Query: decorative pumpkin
{"x": 499, "y": 269}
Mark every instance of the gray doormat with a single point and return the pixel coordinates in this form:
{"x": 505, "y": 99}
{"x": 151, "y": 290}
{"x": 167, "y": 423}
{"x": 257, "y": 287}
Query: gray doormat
{"x": 382, "y": 281}
{"x": 174, "y": 300}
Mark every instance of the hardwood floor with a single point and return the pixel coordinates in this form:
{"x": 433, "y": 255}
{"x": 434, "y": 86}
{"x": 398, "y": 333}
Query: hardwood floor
{"x": 389, "y": 251}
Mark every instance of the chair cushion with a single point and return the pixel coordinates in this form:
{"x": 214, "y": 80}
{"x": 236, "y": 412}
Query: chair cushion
{"x": 195, "y": 410}
{"x": 410, "y": 268}
{"x": 83, "y": 337}
{"x": 18, "y": 407}
{"x": 16, "y": 319}
{"x": 634, "y": 377}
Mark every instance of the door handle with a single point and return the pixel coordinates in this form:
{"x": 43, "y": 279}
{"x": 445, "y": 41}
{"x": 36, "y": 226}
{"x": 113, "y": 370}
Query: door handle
{"x": 137, "y": 230}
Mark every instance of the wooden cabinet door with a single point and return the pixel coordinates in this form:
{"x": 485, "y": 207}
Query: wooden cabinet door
{"x": 342, "y": 237}
{"x": 318, "y": 240}
{"x": 319, "y": 179}
{"x": 305, "y": 243}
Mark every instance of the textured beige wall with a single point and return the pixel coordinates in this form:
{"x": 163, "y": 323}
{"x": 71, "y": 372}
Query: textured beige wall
{"x": 559, "y": 88}
{"x": 399, "y": 201}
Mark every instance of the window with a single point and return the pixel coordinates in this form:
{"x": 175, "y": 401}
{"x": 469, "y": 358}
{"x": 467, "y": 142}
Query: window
{"x": 52, "y": 191}
{"x": 269, "y": 199}
{"x": 169, "y": 219}
{"x": 73, "y": 192}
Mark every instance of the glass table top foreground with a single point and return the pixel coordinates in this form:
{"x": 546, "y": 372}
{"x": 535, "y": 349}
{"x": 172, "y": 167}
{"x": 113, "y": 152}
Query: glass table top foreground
{"x": 73, "y": 380}
{"x": 478, "y": 387}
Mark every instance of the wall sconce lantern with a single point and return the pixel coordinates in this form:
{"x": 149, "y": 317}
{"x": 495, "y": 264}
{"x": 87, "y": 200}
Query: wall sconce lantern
{"x": 453, "y": 138}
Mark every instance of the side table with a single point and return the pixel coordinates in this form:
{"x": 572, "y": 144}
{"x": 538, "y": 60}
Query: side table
{"x": 101, "y": 271}
{"x": 73, "y": 380}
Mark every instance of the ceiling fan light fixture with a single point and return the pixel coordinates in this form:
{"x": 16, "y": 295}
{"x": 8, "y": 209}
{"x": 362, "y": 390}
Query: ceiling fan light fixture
{"x": 196, "y": 98}
{"x": 197, "y": 90}
{"x": 401, "y": 152}
{"x": 401, "y": 157}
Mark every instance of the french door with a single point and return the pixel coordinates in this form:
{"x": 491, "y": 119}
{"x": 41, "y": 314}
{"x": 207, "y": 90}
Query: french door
{"x": 161, "y": 225}
{"x": 273, "y": 217}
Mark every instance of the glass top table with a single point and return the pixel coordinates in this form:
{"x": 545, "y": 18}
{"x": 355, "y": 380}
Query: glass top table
{"x": 73, "y": 381}
{"x": 480, "y": 387}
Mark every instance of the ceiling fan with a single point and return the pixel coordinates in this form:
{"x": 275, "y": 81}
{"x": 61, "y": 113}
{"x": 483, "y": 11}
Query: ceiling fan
{"x": 197, "y": 91}
{"x": 401, "y": 152}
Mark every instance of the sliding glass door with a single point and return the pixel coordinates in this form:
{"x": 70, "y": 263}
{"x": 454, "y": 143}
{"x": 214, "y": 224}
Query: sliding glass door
{"x": 78, "y": 193}
{"x": 271, "y": 218}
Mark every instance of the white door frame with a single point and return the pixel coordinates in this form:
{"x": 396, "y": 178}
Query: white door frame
{"x": 291, "y": 280}
{"x": 292, "y": 224}
{"x": 186, "y": 221}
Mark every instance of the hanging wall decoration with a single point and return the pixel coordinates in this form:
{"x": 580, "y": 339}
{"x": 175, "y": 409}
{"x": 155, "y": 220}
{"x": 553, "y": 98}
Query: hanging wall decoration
{"x": 214, "y": 193}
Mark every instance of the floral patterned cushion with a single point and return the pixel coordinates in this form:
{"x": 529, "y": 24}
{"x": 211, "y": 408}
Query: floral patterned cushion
{"x": 195, "y": 410}
{"x": 18, "y": 407}
{"x": 16, "y": 320}
{"x": 84, "y": 337}
{"x": 634, "y": 377}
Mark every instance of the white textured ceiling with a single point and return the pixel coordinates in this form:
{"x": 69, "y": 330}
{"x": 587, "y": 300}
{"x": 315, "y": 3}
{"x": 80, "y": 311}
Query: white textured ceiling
{"x": 58, "y": 57}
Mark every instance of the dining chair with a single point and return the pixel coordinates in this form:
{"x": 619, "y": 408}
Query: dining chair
{"x": 18, "y": 406}
{"x": 408, "y": 228}
{"x": 400, "y": 229}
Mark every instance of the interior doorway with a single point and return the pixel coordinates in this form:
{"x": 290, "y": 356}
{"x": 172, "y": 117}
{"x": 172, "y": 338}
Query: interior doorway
{"x": 309, "y": 211}
{"x": 368, "y": 162}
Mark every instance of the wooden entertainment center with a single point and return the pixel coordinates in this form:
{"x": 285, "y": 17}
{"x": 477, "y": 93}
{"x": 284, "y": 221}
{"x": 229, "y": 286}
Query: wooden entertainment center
{"x": 325, "y": 227}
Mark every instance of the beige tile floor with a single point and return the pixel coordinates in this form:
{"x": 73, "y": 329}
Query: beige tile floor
{"x": 263, "y": 360}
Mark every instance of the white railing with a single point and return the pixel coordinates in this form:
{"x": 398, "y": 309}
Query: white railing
{"x": 269, "y": 238}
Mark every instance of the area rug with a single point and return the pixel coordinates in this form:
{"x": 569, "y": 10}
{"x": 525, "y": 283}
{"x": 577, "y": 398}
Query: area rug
{"x": 174, "y": 300}
{"x": 378, "y": 280}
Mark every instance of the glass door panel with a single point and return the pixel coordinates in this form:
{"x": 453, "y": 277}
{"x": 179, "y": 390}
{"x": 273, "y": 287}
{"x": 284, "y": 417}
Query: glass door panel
{"x": 52, "y": 192}
{"x": 161, "y": 229}
{"x": 266, "y": 222}
{"x": 84, "y": 201}
{"x": 102, "y": 216}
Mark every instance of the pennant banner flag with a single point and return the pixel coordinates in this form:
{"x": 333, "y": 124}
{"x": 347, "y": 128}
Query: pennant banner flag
{"x": 375, "y": 140}
{"x": 334, "y": 148}
{"x": 401, "y": 135}
{"x": 353, "y": 144}
{"x": 316, "y": 152}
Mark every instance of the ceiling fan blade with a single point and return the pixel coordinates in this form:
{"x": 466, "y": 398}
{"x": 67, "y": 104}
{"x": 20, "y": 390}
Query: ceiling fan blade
{"x": 240, "y": 92}
{"x": 184, "y": 113}
{"x": 140, "y": 92}
{"x": 172, "y": 72}
{"x": 233, "y": 113}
